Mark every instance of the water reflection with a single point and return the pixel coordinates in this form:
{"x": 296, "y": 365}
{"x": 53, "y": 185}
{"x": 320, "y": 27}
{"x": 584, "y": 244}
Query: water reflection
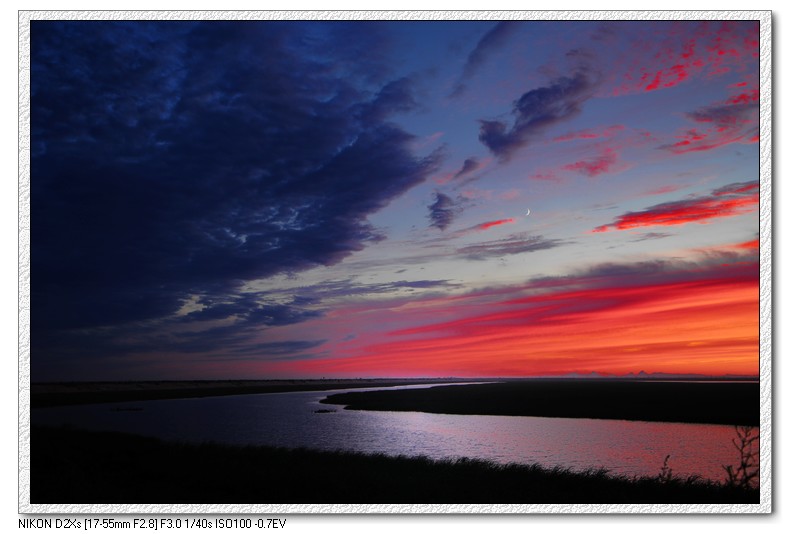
{"x": 290, "y": 420}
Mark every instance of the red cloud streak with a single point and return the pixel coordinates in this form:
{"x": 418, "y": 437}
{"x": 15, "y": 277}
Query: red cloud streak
{"x": 699, "y": 210}
{"x": 737, "y": 189}
{"x": 749, "y": 245}
{"x": 489, "y": 224}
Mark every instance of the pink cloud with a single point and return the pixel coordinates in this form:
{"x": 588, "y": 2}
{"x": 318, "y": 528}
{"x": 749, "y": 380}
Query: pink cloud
{"x": 600, "y": 164}
{"x": 547, "y": 176}
{"x": 444, "y": 178}
{"x": 591, "y": 133}
{"x": 510, "y": 194}
{"x": 665, "y": 189}
{"x": 472, "y": 193}
{"x": 753, "y": 95}
{"x": 731, "y": 121}
{"x": 714, "y": 49}
{"x": 738, "y": 189}
{"x": 429, "y": 140}
{"x": 669, "y": 77}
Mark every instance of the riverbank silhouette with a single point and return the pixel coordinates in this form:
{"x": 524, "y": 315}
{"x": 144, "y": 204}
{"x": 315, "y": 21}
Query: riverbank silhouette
{"x": 726, "y": 403}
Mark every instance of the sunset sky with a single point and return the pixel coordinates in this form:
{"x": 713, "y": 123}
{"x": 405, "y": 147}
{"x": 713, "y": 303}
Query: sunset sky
{"x": 363, "y": 199}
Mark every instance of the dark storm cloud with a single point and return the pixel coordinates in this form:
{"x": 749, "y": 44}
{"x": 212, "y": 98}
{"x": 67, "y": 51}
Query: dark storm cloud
{"x": 536, "y": 111}
{"x": 248, "y": 320}
{"x": 442, "y": 211}
{"x": 280, "y": 348}
{"x": 515, "y": 244}
{"x": 493, "y": 40}
{"x": 302, "y": 356}
{"x": 652, "y": 235}
{"x": 396, "y": 96}
{"x": 218, "y": 328}
{"x": 182, "y": 158}
{"x": 725, "y": 115}
{"x": 279, "y": 315}
{"x": 345, "y": 288}
{"x": 249, "y": 317}
{"x": 737, "y": 189}
{"x": 608, "y": 271}
{"x": 248, "y": 311}
{"x": 735, "y": 120}
{"x": 470, "y": 165}
{"x": 226, "y": 324}
{"x": 707, "y": 268}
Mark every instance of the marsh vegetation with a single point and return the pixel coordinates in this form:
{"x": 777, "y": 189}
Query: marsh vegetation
{"x": 75, "y": 466}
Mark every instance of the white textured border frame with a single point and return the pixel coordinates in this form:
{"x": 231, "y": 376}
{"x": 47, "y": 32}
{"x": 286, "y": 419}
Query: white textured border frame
{"x": 766, "y": 370}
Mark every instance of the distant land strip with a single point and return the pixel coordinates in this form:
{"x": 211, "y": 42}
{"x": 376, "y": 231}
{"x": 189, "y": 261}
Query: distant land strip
{"x": 725, "y": 403}
{"x": 44, "y": 395}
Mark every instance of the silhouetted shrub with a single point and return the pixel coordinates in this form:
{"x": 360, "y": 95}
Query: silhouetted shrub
{"x": 744, "y": 475}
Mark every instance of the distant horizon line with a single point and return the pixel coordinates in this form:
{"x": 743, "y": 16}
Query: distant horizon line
{"x": 593, "y": 375}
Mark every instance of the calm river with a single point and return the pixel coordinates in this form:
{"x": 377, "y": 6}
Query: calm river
{"x": 290, "y": 420}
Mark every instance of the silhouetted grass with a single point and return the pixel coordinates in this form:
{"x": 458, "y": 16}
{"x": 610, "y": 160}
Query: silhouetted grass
{"x": 75, "y": 466}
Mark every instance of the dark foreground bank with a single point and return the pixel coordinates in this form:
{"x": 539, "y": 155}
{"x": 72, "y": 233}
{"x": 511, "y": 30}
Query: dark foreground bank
{"x": 726, "y": 403}
{"x": 73, "y": 466}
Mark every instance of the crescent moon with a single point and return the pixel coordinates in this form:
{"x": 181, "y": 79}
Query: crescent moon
{"x": 527, "y": 215}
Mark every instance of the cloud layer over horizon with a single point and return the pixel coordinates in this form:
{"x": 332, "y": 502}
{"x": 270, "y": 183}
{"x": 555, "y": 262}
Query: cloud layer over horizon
{"x": 214, "y": 199}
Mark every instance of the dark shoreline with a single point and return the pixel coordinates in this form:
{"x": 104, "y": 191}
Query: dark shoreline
{"x": 44, "y": 395}
{"x": 76, "y": 466}
{"x": 732, "y": 403}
